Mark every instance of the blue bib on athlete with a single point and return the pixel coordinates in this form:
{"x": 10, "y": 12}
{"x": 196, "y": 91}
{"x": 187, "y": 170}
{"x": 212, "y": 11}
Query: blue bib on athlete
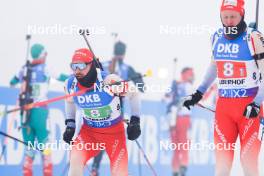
{"x": 98, "y": 107}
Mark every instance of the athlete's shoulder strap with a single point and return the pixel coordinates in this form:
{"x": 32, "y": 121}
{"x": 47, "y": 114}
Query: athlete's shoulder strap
{"x": 100, "y": 75}
{"x": 251, "y": 45}
{"x": 250, "y": 41}
{"x": 71, "y": 84}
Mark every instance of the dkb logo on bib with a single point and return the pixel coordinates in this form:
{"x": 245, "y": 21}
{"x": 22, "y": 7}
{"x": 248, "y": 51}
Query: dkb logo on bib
{"x": 89, "y": 98}
{"x": 228, "y": 48}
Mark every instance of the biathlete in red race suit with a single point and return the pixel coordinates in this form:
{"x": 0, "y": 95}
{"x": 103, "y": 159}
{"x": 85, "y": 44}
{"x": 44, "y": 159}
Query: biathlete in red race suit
{"x": 180, "y": 122}
{"x": 237, "y": 63}
{"x": 103, "y": 126}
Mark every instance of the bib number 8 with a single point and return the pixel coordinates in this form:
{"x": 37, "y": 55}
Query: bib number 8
{"x": 228, "y": 69}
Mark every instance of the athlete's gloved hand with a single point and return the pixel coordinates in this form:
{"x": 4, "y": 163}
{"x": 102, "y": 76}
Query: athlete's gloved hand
{"x": 133, "y": 128}
{"x": 193, "y": 99}
{"x": 252, "y": 110}
{"x": 69, "y": 131}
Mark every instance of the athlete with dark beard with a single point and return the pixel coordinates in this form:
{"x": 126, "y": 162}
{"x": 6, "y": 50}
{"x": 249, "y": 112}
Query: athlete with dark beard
{"x": 103, "y": 126}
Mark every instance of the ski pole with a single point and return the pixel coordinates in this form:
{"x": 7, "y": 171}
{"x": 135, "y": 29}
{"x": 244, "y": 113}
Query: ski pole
{"x": 202, "y": 106}
{"x": 83, "y": 32}
{"x": 8, "y": 130}
{"x": 28, "y": 37}
{"x": 255, "y": 24}
{"x": 142, "y": 152}
{"x": 257, "y": 13}
{"x": 146, "y": 158}
{"x": 46, "y": 102}
{"x": 16, "y": 139}
{"x": 65, "y": 169}
{"x": 198, "y": 104}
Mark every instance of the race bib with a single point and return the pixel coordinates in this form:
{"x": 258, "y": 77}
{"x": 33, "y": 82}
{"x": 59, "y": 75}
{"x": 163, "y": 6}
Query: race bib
{"x": 229, "y": 69}
{"x": 102, "y": 113}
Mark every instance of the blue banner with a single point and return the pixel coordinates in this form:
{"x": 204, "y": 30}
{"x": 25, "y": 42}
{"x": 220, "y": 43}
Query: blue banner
{"x": 155, "y": 140}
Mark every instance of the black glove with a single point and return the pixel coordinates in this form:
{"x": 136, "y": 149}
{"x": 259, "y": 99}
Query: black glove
{"x": 133, "y": 128}
{"x": 193, "y": 99}
{"x": 252, "y": 110}
{"x": 69, "y": 131}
